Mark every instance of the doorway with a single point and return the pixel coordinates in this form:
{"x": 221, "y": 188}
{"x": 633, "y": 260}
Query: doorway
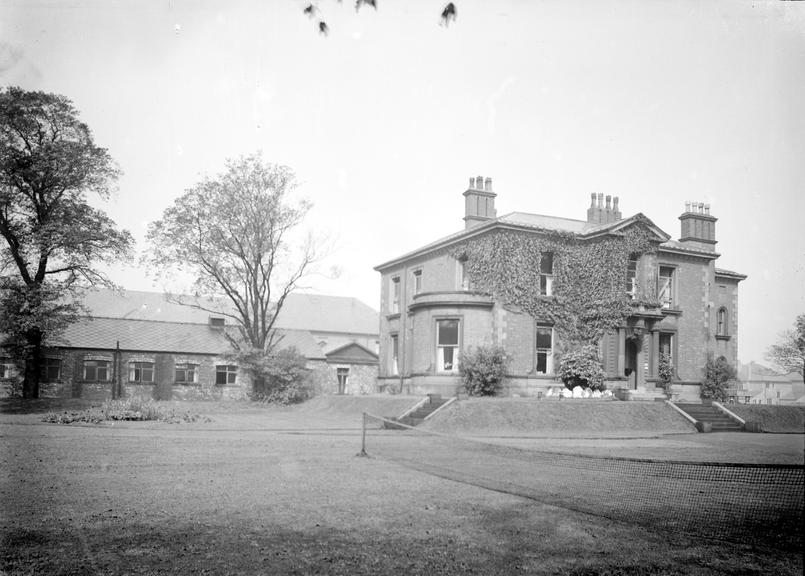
{"x": 630, "y": 362}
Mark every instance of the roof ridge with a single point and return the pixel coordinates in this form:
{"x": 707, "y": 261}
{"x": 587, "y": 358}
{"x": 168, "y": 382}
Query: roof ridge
{"x": 149, "y": 320}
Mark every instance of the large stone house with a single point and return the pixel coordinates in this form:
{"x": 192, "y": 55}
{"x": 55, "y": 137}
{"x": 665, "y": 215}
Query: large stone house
{"x": 142, "y": 344}
{"x": 430, "y": 311}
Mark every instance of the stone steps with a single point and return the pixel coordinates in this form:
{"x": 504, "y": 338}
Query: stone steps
{"x": 718, "y": 421}
{"x": 419, "y": 415}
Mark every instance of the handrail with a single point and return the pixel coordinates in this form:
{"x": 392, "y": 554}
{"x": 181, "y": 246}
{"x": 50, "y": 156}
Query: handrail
{"x": 678, "y": 409}
{"x": 450, "y": 401}
{"x": 414, "y": 407}
{"x": 729, "y": 413}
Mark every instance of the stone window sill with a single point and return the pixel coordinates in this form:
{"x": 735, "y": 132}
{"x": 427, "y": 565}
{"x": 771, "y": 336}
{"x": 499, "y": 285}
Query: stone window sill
{"x": 724, "y": 337}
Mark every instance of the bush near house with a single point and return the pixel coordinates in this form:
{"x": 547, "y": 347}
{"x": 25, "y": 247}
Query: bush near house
{"x": 718, "y": 373}
{"x": 482, "y": 369}
{"x": 285, "y": 379}
{"x": 665, "y": 371}
{"x": 582, "y": 367}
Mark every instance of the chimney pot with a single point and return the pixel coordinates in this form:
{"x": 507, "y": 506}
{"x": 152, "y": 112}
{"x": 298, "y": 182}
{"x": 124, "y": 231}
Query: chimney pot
{"x": 488, "y": 184}
{"x": 600, "y": 199}
{"x": 472, "y": 182}
{"x": 687, "y": 205}
{"x": 707, "y": 209}
{"x": 479, "y": 183}
{"x": 592, "y": 200}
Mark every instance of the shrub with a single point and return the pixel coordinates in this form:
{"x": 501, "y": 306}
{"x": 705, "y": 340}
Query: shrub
{"x": 582, "y": 367}
{"x": 482, "y": 369}
{"x": 718, "y": 373}
{"x": 282, "y": 378}
{"x": 131, "y": 409}
{"x": 665, "y": 370}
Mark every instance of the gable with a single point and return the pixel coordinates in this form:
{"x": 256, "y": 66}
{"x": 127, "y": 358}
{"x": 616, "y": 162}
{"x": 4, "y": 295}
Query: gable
{"x": 638, "y": 221}
{"x": 352, "y": 353}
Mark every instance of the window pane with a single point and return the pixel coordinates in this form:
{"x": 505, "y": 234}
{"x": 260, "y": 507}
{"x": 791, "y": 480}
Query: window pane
{"x": 394, "y": 354}
{"x": 542, "y": 362}
{"x": 447, "y": 358}
{"x": 544, "y": 339}
{"x": 546, "y": 263}
{"x": 220, "y": 376}
{"x": 665, "y": 344}
{"x": 448, "y": 332}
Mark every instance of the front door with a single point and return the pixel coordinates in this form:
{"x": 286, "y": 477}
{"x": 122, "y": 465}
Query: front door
{"x": 630, "y": 363}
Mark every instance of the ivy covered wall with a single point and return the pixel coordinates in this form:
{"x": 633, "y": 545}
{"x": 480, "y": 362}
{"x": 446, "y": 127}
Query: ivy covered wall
{"x": 589, "y": 277}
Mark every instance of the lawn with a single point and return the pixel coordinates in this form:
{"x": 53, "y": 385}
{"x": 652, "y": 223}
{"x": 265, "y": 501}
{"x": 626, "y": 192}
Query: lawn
{"x": 274, "y": 491}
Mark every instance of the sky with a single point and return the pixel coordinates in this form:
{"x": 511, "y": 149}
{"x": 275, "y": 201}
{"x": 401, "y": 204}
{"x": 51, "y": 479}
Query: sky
{"x": 384, "y": 119}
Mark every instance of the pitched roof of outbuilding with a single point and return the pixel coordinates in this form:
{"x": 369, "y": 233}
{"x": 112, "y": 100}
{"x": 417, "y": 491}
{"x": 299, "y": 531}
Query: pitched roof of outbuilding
{"x": 144, "y": 335}
{"x": 174, "y": 337}
{"x": 319, "y": 313}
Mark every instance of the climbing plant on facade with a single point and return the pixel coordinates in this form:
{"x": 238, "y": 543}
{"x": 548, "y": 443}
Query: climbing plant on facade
{"x": 589, "y": 297}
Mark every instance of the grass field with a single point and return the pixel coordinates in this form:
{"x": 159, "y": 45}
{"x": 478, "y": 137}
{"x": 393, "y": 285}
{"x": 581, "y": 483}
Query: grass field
{"x": 280, "y": 491}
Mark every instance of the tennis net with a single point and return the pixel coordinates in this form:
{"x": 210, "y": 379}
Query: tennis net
{"x": 758, "y": 504}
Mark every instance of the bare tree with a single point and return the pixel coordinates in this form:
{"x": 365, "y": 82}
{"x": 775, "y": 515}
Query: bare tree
{"x": 231, "y": 231}
{"x": 53, "y": 238}
{"x": 789, "y": 352}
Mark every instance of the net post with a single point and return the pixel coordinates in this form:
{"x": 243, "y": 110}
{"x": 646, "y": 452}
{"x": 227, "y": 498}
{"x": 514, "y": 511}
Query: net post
{"x": 363, "y": 453}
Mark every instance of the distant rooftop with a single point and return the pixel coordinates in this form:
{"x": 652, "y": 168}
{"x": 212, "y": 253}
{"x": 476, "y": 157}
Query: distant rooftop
{"x": 299, "y": 312}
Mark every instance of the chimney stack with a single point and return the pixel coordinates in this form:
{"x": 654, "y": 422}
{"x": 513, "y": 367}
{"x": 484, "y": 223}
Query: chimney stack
{"x": 600, "y": 212}
{"x": 479, "y": 202}
{"x": 698, "y": 227}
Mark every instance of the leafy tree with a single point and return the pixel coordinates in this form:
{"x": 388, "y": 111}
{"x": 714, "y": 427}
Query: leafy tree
{"x": 482, "y": 369}
{"x": 789, "y": 353}
{"x": 230, "y": 232}
{"x": 718, "y": 373}
{"x": 53, "y": 239}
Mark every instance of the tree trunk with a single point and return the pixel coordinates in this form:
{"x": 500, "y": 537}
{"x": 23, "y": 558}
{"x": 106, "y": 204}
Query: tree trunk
{"x": 258, "y": 383}
{"x": 33, "y": 363}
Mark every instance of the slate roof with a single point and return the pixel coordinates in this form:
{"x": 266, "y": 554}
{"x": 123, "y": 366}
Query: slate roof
{"x": 144, "y": 335}
{"x": 328, "y": 314}
{"x": 542, "y": 222}
{"x": 300, "y": 311}
{"x": 174, "y": 337}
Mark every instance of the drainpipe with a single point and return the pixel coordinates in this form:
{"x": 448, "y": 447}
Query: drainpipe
{"x": 116, "y": 385}
{"x": 401, "y": 367}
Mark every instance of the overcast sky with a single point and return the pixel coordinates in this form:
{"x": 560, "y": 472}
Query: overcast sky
{"x": 386, "y": 118}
